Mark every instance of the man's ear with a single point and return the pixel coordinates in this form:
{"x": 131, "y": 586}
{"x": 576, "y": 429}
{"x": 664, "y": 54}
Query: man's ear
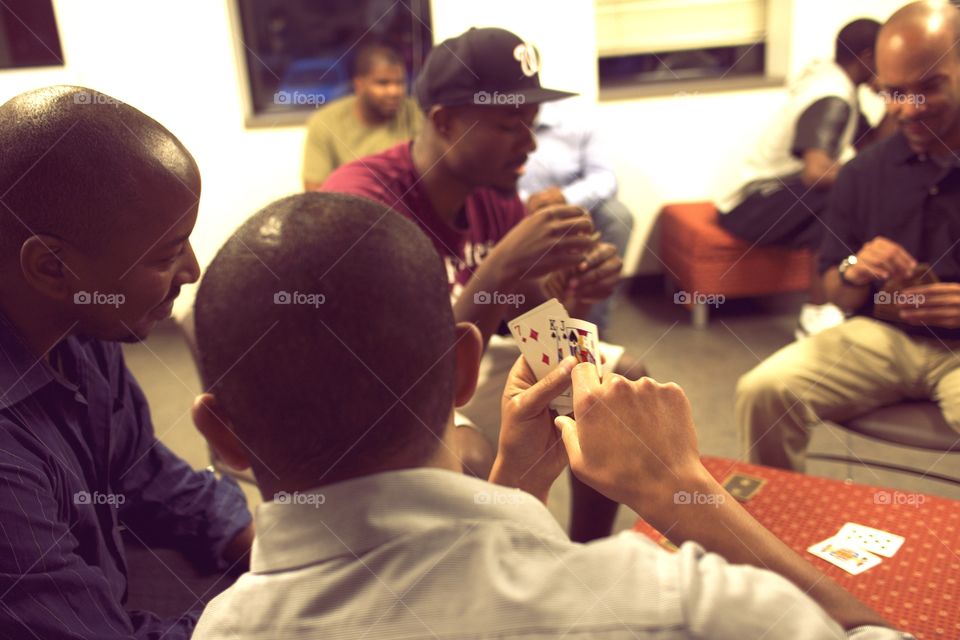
{"x": 210, "y": 421}
{"x": 469, "y": 350}
{"x": 440, "y": 117}
{"x": 43, "y": 267}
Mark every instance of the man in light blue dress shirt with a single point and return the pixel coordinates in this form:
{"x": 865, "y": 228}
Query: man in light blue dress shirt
{"x": 571, "y": 165}
{"x": 340, "y": 396}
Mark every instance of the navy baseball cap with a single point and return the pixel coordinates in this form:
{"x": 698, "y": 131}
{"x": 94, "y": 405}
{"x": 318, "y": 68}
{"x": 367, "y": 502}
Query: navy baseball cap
{"x": 487, "y": 66}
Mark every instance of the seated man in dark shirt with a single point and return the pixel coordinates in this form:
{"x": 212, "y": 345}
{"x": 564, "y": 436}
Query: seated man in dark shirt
{"x": 98, "y": 203}
{"x": 894, "y": 213}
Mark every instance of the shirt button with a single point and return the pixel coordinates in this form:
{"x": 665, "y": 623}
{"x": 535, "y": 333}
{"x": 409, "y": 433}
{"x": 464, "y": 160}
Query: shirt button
{"x": 934, "y": 190}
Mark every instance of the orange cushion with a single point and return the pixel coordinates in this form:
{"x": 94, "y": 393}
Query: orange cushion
{"x": 700, "y": 256}
{"x": 693, "y": 228}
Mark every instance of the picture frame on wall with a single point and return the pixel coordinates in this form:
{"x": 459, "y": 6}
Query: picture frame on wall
{"x": 296, "y": 56}
{"x": 28, "y": 35}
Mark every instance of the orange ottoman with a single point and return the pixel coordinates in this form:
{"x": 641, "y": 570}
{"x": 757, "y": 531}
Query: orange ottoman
{"x": 707, "y": 265}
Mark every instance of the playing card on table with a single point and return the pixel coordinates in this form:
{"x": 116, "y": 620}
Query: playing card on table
{"x": 844, "y": 555}
{"x": 873, "y": 540}
{"x": 743, "y": 487}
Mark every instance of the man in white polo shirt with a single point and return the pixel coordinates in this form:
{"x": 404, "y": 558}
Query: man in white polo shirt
{"x": 783, "y": 184}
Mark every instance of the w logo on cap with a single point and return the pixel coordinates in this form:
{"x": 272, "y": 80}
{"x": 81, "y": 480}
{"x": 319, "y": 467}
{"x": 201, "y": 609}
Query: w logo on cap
{"x": 528, "y": 57}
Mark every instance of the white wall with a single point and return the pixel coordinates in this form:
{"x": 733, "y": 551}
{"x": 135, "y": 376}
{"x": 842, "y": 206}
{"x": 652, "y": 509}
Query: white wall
{"x": 176, "y": 61}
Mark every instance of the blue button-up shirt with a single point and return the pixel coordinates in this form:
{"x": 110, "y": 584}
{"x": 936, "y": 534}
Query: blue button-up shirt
{"x": 78, "y": 460}
{"x": 571, "y": 155}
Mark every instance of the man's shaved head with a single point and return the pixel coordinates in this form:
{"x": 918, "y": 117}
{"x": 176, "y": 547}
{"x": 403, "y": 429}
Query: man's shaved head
{"x": 85, "y": 167}
{"x": 325, "y": 332}
{"x": 926, "y": 25}
{"x": 918, "y": 67}
{"x": 97, "y": 203}
{"x": 926, "y": 15}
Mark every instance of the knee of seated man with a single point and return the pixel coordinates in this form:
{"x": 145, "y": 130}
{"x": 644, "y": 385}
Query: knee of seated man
{"x": 951, "y": 413}
{"x": 763, "y": 383}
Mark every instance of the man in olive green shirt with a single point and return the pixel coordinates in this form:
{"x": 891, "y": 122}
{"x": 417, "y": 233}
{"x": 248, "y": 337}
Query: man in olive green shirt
{"x": 377, "y": 116}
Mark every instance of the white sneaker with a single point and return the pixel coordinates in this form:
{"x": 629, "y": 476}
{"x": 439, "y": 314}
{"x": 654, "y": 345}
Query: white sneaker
{"x": 815, "y": 318}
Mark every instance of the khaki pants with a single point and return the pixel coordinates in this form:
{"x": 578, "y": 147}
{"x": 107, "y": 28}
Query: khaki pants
{"x": 836, "y": 375}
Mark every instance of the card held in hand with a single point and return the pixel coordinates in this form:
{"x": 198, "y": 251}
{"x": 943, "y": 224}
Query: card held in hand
{"x": 532, "y": 332}
{"x": 546, "y": 335}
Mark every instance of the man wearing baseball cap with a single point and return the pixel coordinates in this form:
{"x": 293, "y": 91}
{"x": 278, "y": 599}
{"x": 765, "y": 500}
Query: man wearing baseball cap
{"x": 457, "y": 179}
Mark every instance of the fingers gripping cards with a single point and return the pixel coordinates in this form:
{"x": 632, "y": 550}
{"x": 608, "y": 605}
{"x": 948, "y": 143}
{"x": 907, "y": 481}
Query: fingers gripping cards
{"x": 546, "y": 335}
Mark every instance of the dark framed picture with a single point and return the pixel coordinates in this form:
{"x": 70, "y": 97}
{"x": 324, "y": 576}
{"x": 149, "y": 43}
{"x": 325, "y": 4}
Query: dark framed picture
{"x": 298, "y": 54}
{"x": 28, "y": 35}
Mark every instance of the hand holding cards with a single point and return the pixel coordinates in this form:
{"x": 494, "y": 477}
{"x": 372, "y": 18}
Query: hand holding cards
{"x": 892, "y": 294}
{"x": 546, "y": 335}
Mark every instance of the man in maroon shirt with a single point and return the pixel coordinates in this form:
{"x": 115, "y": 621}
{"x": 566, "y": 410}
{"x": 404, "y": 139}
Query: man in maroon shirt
{"x": 457, "y": 179}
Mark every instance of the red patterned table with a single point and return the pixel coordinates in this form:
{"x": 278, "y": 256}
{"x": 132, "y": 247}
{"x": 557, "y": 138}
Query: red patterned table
{"x": 918, "y": 589}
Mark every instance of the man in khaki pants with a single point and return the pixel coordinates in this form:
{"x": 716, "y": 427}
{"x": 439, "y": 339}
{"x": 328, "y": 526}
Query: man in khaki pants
{"x": 891, "y": 256}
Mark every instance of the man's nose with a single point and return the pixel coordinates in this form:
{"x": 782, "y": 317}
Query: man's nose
{"x": 910, "y": 107}
{"x": 190, "y": 268}
{"x": 529, "y": 140}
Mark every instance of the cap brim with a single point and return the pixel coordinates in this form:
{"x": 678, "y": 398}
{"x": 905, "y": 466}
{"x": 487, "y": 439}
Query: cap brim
{"x": 532, "y": 95}
{"x": 537, "y": 96}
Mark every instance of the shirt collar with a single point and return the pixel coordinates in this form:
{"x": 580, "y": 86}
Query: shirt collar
{"x": 349, "y": 518}
{"x": 902, "y": 152}
{"x": 21, "y": 372}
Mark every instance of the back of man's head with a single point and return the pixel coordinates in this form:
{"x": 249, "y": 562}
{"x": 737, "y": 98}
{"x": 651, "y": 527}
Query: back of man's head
{"x": 85, "y": 167}
{"x": 854, "y": 39}
{"x": 325, "y": 332}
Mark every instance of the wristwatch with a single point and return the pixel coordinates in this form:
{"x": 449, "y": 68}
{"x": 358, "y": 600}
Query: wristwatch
{"x": 842, "y": 269}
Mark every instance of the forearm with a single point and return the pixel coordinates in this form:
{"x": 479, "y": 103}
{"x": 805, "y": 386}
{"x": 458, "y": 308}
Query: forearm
{"x": 533, "y": 296}
{"x": 504, "y": 475}
{"x": 477, "y": 304}
{"x": 820, "y": 176}
{"x": 721, "y": 525}
{"x": 847, "y": 297}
